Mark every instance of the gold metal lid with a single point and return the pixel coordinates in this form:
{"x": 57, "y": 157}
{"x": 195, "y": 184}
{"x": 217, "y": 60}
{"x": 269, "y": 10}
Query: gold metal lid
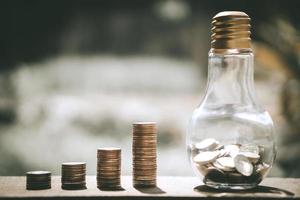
{"x": 231, "y": 32}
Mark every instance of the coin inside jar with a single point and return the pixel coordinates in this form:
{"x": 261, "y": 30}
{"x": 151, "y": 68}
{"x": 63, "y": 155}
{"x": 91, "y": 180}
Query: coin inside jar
{"x": 232, "y": 149}
{"x": 253, "y": 157}
{"x": 230, "y": 163}
{"x": 226, "y": 163}
{"x": 206, "y": 157}
{"x": 207, "y": 144}
{"x": 249, "y": 148}
{"x": 243, "y": 165}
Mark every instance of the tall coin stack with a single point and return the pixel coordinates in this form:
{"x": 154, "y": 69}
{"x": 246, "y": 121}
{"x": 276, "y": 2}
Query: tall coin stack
{"x": 144, "y": 154}
{"x": 73, "y": 175}
{"x": 109, "y": 168}
{"x": 38, "y": 180}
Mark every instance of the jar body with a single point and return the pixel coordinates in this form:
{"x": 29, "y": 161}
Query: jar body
{"x": 230, "y": 139}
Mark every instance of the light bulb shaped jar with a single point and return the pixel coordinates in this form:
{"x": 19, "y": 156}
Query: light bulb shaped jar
{"x": 230, "y": 136}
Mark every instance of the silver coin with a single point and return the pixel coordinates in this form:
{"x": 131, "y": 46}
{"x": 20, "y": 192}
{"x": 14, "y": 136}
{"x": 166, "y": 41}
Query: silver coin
{"x": 223, "y": 153}
{"x": 253, "y": 157}
{"x": 243, "y": 165}
{"x": 219, "y": 147}
{"x": 206, "y": 157}
{"x": 222, "y": 168}
{"x": 202, "y": 169}
{"x": 207, "y": 144}
{"x": 232, "y": 149}
{"x": 249, "y": 148}
{"x": 227, "y": 163}
{"x": 262, "y": 168}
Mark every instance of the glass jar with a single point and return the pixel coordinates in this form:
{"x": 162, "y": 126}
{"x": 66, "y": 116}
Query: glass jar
{"x": 230, "y": 136}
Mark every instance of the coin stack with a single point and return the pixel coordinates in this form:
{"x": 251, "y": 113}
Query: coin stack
{"x": 109, "y": 168}
{"x": 73, "y": 175}
{"x": 38, "y": 180}
{"x": 231, "y": 163}
{"x": 144, "y": 154}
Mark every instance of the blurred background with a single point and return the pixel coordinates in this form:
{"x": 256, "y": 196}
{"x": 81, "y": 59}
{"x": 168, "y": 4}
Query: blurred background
{"x": 76, "y": 74}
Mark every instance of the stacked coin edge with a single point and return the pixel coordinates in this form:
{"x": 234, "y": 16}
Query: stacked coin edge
{"x": 73, "y": 175}
{"x": 144, "y": 154}
{"x": 109, "y": 168}
{"x": 38, "y": 180}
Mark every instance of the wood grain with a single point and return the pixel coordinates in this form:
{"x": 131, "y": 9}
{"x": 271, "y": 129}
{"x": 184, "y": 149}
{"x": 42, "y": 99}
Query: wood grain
{"x": 168, "y": 188}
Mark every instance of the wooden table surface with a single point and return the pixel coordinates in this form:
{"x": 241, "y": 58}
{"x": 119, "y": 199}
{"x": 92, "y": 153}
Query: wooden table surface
{"x": 168, "y": 188}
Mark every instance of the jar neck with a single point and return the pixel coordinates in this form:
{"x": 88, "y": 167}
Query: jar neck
{"x": 230, "y": 80}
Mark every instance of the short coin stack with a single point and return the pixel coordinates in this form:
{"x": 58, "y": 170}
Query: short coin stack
{"x": 73, "y": 175}
{"x": 109, "y": 168}
{"x": 144, "y": 154}
{"x": 38, "y": 180}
